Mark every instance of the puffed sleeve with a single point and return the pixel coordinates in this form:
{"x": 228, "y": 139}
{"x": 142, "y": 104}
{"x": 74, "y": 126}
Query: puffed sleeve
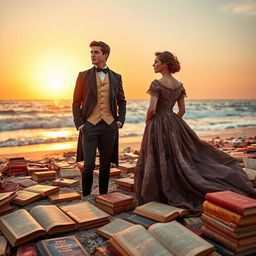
{"x": 183, "y": 93}
{"x": 154, "y": 89}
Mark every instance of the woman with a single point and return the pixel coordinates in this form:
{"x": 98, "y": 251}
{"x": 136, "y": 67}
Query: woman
{"x": 175, "y": 166}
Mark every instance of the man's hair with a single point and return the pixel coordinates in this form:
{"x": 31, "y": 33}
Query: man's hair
{"x": 104, "y": 47}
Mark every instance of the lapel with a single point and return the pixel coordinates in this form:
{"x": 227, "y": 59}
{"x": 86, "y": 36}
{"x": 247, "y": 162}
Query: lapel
{"x": 92, "y": 81}
{"x": 113, "y": 84}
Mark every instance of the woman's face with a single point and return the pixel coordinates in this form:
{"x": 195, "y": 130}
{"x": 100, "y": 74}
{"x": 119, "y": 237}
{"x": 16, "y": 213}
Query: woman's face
{"x": 158, "y": 65}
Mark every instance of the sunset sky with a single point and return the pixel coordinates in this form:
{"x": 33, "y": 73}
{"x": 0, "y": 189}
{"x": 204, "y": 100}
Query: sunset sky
{"x": 44, "y": 44}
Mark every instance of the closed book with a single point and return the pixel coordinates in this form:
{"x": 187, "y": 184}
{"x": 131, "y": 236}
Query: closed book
{"x": 127, "y": 167}
{"x": 44, "y": 176}
{"x": 114, "y": 210}
{"x": 228, "y": 215}
{"x": 44, "y": 190}
{"x": 62, "y": 182}
{"x": 160, "y": 212}
{"x": 85, "y": 214}
{"x": 113, "y": 227}
{"x": 224, "y": 241}
{"x": 126, "y": 182}
{"x": 64, "y": 196}
{"x": 240, "y": 242}
{"x": 69, "y": 172}
{"x": 233, "y": 201}
{"x": 61, "y": 246}
{"x": 114, "y": 172}
{"x": 114, "y": 199}
{"x": 137, "y": 219}
{"x": 8, "y": 187}
{"x": 235, "y": 232}
{"x": 130, "y": 189}
{"x": 25, "y": 197}
{"x": 28, "y": 249}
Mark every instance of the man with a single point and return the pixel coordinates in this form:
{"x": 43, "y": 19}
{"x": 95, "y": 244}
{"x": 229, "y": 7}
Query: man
{"x": 99, "y": 108}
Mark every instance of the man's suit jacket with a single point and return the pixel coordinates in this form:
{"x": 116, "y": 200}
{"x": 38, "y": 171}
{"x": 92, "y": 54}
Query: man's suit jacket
{"x": 85, "y": 99}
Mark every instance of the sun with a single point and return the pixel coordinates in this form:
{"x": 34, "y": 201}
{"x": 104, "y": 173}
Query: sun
{"x": 55, "y": 82}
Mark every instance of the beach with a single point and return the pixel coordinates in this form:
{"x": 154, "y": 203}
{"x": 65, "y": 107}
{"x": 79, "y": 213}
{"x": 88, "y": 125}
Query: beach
{"x": 38, "y": 151}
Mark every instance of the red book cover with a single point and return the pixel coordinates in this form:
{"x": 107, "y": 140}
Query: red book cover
{"x": 27, "y": 250}
{"x": 233, "y": 201}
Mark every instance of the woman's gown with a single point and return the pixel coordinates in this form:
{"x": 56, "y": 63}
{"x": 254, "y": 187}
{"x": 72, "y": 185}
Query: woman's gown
{"x": 175, "y": 166}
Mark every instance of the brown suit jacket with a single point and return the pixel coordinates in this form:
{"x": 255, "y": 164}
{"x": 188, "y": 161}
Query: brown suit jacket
{"x": 85, "y": 99}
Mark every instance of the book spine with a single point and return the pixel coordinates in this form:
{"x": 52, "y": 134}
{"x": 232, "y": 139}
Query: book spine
{"x": 222, "y": 213}
{"x": 225, "y": 203}
{"x": 218, "y": 238}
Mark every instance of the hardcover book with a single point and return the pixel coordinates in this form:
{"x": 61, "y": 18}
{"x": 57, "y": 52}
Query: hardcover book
{"x": 63, "y": 196}
{"x": 61, "y": 246}
{"x": 113, "y": 227}
{"x": 25, "y": 197}
{"x": 127, "y": 167}
{"x": 62, "y": 182}
{"x": 235, "y": 232}
{"x": 44, "y": 190}
{"x": 4, "y": 246}
{"x": 10, "y": 187}
{"x": 44, "y": 176}
{"x": 6, "y": 197}
{"x": 125, "y": 182}
{"x": 85, "y": 214}
{"x": 28, "y": 249}
{"x": 160, "y": 239}
{"x": 228, "y": 215}
{"x": 160, "y": 212}
{"x": 22, "y": 226}
{"x": 233, "y": 201}
{"x": 114, "y": 172}
{"x": 114, "y": 210}
{"x": 114, "y": 199}
{"x": 70, "y": 172}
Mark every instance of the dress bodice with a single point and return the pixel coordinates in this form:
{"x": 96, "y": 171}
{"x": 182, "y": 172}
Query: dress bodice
{"x": 167, "y": 97}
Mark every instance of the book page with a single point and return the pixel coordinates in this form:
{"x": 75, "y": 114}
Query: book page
{"x": 83, "y": 212}
{"x": 137, "y": 241}
{"x": 113, "y": 227}
{"x": 25, "y": 195}
{"x": 178, "y": 239}
{"x": 157, "y": 209}
{"x": 50, "y": 216}
{"x": 20, "y": 223}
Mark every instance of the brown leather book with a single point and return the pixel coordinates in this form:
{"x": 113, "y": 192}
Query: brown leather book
{"x": 127, "y": 167}
{"x": 43, "y": 176}
{"x": 28, "y": 249}
{"x": 114, "y": 199}
{"x": 25, "y": 197}
{"x": 114, "y": 210}
{"x": 64, "y": 196}
{"x": 114, "y": 172}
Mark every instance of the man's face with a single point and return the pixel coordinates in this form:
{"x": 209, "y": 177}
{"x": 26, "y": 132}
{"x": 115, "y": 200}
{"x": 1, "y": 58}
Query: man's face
{"x": 98, "y": 58}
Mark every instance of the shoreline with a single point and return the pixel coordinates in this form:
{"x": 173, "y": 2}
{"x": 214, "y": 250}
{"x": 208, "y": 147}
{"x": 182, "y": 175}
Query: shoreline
{"x": 37, "y": 151}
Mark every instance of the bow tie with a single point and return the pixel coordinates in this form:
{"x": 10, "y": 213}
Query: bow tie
{"x": 105, "y": 70}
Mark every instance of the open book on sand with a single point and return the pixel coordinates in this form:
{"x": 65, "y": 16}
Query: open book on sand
{"x": 160, "y": 239}
{"x": 21, "y": 226}
{"x": 160, "y": 212}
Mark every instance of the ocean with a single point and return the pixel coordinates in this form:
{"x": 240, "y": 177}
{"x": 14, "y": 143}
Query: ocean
{"x": 27, "y": 122}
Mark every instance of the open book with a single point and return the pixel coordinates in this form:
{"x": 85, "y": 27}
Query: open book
{"x": 160, "y": 212}
{"x": 169, "y": 238}
{"x": 21, "y": 226}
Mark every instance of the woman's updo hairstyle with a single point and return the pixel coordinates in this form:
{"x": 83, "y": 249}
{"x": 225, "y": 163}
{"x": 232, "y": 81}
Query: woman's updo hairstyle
{"x": 172, "y": 62}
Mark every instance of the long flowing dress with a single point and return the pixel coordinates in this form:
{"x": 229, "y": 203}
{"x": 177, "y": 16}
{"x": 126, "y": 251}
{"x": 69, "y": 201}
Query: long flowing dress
{"x": 175, "y": 166}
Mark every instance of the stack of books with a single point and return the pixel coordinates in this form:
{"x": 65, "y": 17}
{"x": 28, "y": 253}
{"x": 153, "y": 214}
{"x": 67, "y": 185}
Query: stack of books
{"x": 17, "y": 165}
{"x": 229, "y": 222}
{"x": 114, "y": 203}
{"x": 37, "y": 167}
{"x": 43, "y": 176}
{"x": 125, "y": 184}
